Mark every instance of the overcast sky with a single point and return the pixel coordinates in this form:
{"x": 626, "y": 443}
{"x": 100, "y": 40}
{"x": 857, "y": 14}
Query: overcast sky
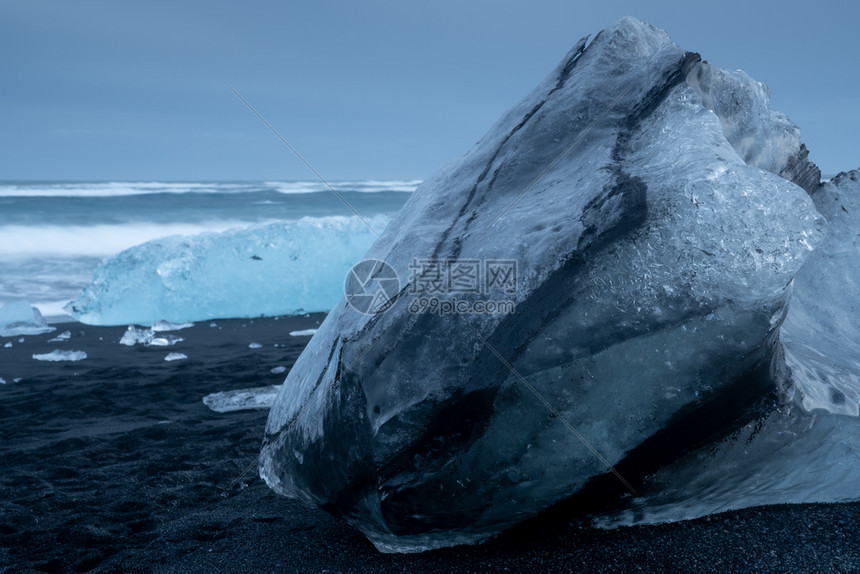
{"x": 117, "y": 90}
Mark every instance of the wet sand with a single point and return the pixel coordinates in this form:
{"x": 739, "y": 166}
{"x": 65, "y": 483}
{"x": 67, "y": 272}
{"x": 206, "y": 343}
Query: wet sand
{"x": 114, "y": 464}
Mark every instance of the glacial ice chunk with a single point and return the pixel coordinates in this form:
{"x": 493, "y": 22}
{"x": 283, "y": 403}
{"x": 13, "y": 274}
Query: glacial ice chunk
{"x": 276, "y": 269}
{"x": 20, "y": 318}
{"x": 64, "y": 336}
{"x": 648, "y": 256}
{"x": 175, "y": 357}
{"x": 58, "y": 356}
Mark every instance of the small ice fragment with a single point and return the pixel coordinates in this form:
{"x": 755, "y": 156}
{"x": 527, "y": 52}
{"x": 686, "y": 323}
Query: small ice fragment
{"x": 213, "y": 324}
{"x": 21, "y": 340}
{"x": 64, "y": 336}
{"x": 304, "y": 333}
{"x": 242, "y": 399}
{"x": 2, "y": 381}
{"x": 279, "y": 370}
{"x": 160, "y": 326}
{"x": 175, "y": 357}
{"x": 17, "y": 379}
{"x": 147, "y": 337}
{"x": 134, "y": 335}
{"x": 8, "y": 345}
{"x": 255, "y": 346}
{"x": 56, "y": 355}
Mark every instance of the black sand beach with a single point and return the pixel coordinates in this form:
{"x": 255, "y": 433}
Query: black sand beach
{"x": 114, "y": 464}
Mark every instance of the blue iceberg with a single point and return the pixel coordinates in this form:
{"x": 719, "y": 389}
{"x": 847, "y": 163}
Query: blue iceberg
{"x": 275, "y": 269}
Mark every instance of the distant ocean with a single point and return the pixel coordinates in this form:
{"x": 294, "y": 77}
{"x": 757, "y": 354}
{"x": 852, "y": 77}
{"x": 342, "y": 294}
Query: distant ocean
{"x": 54, "y": 234}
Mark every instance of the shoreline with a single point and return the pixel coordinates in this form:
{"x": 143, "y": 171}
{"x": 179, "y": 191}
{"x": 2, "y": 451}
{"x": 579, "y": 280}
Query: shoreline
{"x": 113, "y": 463}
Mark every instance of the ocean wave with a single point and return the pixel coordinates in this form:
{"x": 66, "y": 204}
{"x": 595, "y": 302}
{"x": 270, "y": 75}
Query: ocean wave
{"x": 116, "y": 188}
{"x": 119, "y": 188}
{"x": 368, "y": 186}
{"x": 32, "y": 242}
{"x": 25, "y": 241}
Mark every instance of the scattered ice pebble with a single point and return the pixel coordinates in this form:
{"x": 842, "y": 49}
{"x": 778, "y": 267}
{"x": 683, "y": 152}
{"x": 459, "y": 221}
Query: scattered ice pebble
{"x": 8, "y": 345}
{"x": 213, "y": 324}
{"x": 18, "y": 379}
{"x": 64, "y": 336}
{"x": 279, "y": 370}
{"x": 242, "y": 399}
{"x": 56, "y": 356}
{"x": 21, "y": 340}
{"x": 255, "y": 346}
{"x": 175, "y": 357}
{"x": 304, "y": 333}
{"x": 2, "y": 381}
{"x": 20, "y": 318}
{"x": 160, "y": 326}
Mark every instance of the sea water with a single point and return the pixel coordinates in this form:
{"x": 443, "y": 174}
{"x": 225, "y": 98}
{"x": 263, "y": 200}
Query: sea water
{"x": 53, "y": 235}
